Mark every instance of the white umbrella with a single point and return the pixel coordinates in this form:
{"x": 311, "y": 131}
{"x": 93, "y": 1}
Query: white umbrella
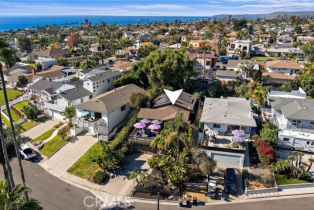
{"x": 211, "y": 132}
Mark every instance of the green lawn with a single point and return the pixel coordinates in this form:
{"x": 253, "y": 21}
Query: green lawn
{"x": 19, "y": 106}
{"x": 283, "y": 180}
{"x": 85, "y": 167}
{"x": 14, "y": 115}
{"x": 28, "y": 125}
{"x": 261, "y": 58}
{"x": 52, "y": 146}
{"x": 44, "y": 136}
{"x": 12, "y": 94}
{"x": 5, "y": 121}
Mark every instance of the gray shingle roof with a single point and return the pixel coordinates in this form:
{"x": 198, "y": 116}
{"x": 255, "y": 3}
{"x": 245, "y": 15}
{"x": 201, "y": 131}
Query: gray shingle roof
{"x": 46, "y": 85}
{"x": 111, "y": 100}
{"x": 104, "y": 75}
{"x": 75, "y": 93}
{"x": 230, "y": 111}
{"x": 302, "y": 109}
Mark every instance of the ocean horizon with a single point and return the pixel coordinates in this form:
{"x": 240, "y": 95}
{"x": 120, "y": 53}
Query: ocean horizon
{"x": 20, "y": 22}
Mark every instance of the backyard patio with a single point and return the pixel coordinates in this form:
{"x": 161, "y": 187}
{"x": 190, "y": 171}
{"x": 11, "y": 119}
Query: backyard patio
{"x": 145, "y": 130}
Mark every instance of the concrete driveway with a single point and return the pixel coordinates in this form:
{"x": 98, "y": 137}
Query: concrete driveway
{"x": 69, "y": 154}
{"x": 40, "y": 129}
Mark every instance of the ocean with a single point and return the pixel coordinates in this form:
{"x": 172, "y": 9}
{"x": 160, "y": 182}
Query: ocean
{"x": 20, "y": 22}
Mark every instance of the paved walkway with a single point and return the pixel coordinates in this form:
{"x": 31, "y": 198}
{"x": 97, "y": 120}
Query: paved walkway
{"x": 284, "y": 192}
{"x": 69, "y": 154}
{"x": 40, "y": 129}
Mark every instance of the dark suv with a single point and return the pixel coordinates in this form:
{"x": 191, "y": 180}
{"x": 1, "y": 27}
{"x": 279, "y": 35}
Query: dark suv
{"x": 230, "y": 180}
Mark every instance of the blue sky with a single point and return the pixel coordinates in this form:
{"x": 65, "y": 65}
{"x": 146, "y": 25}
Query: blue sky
{"x": 150, "y": 7}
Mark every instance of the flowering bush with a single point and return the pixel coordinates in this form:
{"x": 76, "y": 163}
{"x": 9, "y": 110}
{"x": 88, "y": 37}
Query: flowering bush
{"x": 265, "y": 152}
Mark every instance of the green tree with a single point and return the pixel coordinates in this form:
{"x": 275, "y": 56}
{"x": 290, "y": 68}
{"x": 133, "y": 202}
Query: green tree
{"x": 30, "y": 111}
{"x": 289, "y": 86}
{"x": 308, "y": 50}
{"x": 69, "y": 112}
{"x": 62, "y": 61}
{"x": 22, "y": 82}
{"x": 204, "y": 163}
{"x": 14, "y": 199}
{"x": 138, "y": 100}
{"x": 269, "y": 133}
{"x": 24, "y": 43}
{"x": 145, "y": 51}
{"x": 307, "y": 83}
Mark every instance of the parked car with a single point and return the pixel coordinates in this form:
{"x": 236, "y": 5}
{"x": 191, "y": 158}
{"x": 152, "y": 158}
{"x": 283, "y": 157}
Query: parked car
{"x": 26, "y": 152}
{"x": 230, "y": 180}
{"x": 212, "y": 188}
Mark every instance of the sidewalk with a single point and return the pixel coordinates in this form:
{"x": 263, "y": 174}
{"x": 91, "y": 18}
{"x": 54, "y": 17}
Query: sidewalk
{"x": 40, "y": 129}
{"x": 284, "y": 192}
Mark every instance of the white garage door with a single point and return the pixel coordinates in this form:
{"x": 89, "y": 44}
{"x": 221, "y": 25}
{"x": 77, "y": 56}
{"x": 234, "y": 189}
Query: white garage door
{"x": 227, "y": 160}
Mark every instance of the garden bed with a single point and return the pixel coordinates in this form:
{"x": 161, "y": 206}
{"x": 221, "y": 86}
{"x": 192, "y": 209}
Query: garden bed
{"x": 52, "y": 146}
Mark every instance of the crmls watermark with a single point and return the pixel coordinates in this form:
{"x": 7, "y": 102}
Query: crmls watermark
{"x": 119, "y": 201}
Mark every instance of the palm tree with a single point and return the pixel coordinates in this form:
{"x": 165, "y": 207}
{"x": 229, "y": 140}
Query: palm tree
{"x": 14, "y": 199}
{"x": 7, "y": 55}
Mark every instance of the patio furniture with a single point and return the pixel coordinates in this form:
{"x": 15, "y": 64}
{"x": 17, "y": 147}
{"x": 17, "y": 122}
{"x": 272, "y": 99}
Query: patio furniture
{"x": 154, "y": 127}
{"x": 139, "y": 125}
{"x": 145, "y": 121}
{"x": 156, "y": 122}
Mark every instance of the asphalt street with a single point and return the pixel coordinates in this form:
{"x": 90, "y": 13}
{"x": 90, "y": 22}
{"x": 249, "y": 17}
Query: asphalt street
{"x": 53, "y": 193}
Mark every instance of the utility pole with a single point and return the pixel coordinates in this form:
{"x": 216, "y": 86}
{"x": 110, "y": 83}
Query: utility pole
{"x": 13, "y": 130}
{"x": 6, "y": 164}
{"x": 158, "y": 200}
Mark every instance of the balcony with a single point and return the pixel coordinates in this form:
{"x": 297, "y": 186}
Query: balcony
{"x": 142, "y": 136}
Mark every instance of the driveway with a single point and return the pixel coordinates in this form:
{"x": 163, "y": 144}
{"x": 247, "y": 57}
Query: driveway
{"x": 40, "y": 129}
{"x": 69, "y": 154}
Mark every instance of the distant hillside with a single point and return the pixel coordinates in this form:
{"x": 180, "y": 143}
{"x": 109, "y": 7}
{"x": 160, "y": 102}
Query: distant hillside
{"x": 270, "y": 15}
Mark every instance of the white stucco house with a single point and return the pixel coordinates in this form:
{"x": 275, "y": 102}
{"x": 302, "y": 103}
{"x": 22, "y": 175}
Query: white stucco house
{"x": 225, "y": 115}
{"x": 99, "y": 81}
{"x": 295, "y": 120}
{"x": 287, "y": 67}
{"x": 46, "y": 63}
{"x": 240, "y": 48}
{"x": 102, "y": 114}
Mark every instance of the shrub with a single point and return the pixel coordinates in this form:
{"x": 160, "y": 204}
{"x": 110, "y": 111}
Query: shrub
{"x": 265, "y": 152}
{"x": 138, "y": 100}
{"x": 269, "y": 132}
{"x": 124, "y": 132}
{"x": 100, "y": 177}
{"x": 30, "y": 111}
{"x": 58, "y": 125}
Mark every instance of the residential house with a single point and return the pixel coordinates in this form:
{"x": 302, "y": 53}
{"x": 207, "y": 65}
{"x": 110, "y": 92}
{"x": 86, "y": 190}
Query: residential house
{"x": 163, "y": 109}
{"x": 304, "y": 39}
{"x": 226, "y": 76}
{"x": 70, "y": 97}
{"x": 228, "y": 114}
{"x": 225, "y": 115}
{"x": 264, "y": 39}
{"x": 52, "y": 52}
{"x": 99, "y": 80}
{"x": 203, "y": 61}
{"x": 284, "y": 41}
{"x": 104, "y": 113}
{"x": 197, "y": 44}
{"x": 240, "y": 48}
{"x": 46, "y": 63}
{"x": 295, "y": 120}
{"x": 43, "y": 90}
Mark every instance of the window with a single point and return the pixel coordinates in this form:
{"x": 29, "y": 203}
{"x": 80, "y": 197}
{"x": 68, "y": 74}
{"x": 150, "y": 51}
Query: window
{"x": 207, "y": 63}
{"x": 108, "y": 80}
{"x": 286, "y": 139}
{"x": 312, "y": 124}
{"x": 308, "y": 143}
{"x": 123, "y": 108}
{"x": 216, "y": 126}
{"x": 312, "y": 143}
{"x": 296, "y": 122}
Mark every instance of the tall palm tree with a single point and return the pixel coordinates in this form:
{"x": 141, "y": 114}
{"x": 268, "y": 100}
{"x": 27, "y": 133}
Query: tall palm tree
{"x": 14, "y": 199}
{"x": 7, "y": 55}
